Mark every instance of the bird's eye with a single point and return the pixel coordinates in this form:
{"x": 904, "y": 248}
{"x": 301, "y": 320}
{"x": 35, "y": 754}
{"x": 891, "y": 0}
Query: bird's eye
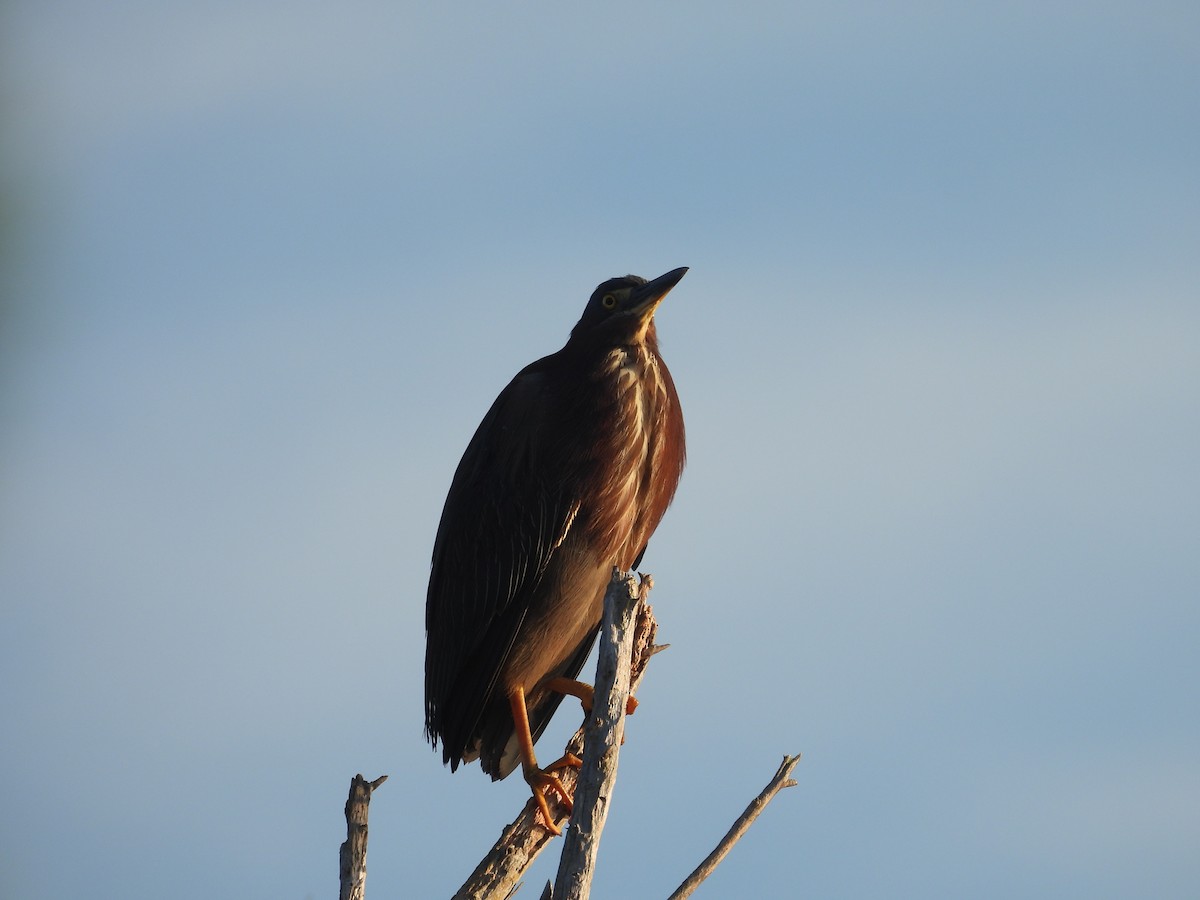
{"x": 608, "y": 301}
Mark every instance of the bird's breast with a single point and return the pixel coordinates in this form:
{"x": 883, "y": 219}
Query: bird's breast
{"x": 634, "y": 406}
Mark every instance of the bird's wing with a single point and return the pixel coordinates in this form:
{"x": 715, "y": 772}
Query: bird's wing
{"x": 505, "y": 514}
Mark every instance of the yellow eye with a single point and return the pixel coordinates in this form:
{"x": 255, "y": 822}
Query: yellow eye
{"x": 608, "y": 301}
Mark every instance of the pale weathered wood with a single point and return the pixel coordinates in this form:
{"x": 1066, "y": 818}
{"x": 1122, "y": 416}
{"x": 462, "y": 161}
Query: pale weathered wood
{"x": 353, "y": 855}
{"x": 604, "y": 732}
{"x": 757, "y": 805}
{"x": 499, "y": 872}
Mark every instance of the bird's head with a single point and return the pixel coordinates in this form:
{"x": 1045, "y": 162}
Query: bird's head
{"x": 621, "y": 310}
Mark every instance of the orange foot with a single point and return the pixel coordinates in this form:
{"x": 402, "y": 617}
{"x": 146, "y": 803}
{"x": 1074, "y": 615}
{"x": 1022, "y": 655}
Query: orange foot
{"x": 566, "y": 761}
{"x": 540, "y": 780}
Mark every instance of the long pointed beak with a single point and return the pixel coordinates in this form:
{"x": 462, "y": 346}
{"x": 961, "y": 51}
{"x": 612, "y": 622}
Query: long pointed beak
{"x": 645, "y": 299}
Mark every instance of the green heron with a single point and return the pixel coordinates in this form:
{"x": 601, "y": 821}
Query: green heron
{"x": 567, "y": 476}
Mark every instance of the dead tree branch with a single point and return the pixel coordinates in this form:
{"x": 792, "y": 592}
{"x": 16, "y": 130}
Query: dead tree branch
{"x": 604, "y": 733}
{"x": 353, "y": 855}
{"x": 757, "y": 805}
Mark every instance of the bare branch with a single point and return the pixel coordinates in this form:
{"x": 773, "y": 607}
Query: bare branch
{"x": 605, "y": 730}
{"x": 353, "y": 854}
{"x": 525, "y": 837}
{"x": 757, "y": 805}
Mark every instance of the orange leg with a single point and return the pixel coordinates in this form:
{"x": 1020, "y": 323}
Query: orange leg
{"x": 539, "y": 780}
{"x": 585, "y": 694}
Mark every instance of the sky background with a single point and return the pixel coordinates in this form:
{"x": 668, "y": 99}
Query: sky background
{"x": 265, "y": 265}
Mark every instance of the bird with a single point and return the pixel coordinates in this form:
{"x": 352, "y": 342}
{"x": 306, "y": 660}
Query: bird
{"x": 567, "y": 476}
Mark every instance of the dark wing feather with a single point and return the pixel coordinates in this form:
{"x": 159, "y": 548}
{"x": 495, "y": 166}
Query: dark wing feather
{"x": 504, "y": 515}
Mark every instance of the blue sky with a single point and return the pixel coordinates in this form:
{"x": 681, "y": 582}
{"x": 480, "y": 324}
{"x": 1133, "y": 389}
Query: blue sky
{"x": 267, "y": 264}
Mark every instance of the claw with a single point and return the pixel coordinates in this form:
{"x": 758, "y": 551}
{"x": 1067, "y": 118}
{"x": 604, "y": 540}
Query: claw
{"x": 540, "y": 781}
{"x": 566, "y": 761}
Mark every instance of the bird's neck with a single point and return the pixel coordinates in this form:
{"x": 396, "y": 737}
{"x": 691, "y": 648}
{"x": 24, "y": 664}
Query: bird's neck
{"x": 633, "y": 345}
